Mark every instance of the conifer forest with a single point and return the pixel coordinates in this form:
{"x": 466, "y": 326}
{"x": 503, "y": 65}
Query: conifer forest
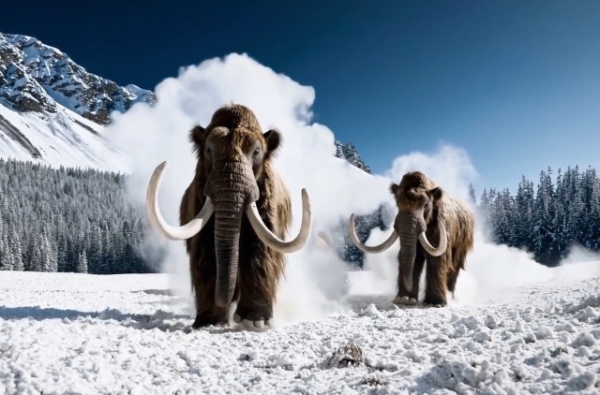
{"x": 70, "y": 220}
{"x": 75, "y": 220}
{"x": 549, "y": 218}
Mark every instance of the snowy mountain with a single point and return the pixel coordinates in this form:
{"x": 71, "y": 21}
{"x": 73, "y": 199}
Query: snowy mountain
{"x": 52, "y": 110}
{"x": 37, "y": 77}
{"x": 349, "y": 152}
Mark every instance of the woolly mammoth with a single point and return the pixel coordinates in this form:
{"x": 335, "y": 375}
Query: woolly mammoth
{"x": 233, "y": 216}
{"x": 426, "y": 215}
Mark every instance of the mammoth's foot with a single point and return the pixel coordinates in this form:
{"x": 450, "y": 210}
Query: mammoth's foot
{"x": 253, "y": 317}
{"x": 405, "y": 300}
{"x": 438, "y": 305}
{"x": 207, "y": 318}
{"x": 252, "y": 324}
{"x": 434, "y": 302}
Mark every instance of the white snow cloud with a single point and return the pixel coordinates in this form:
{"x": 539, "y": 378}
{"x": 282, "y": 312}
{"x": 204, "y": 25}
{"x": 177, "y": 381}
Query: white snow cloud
{"x": 306, "y": 160}
{"x": 314, "y": 276}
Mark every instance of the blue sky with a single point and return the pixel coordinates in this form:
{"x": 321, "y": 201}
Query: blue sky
{"x": 515, "y": 83}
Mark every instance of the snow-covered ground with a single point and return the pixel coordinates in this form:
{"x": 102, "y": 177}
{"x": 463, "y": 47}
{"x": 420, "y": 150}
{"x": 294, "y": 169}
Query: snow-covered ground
{"x": 126, "y": 334}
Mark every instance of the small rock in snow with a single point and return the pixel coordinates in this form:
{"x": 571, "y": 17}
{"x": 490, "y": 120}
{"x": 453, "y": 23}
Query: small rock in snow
{"x": 348, "y": 355}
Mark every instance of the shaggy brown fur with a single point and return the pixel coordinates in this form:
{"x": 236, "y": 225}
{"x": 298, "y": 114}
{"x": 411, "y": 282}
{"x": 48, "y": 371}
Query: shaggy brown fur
{"x": 417, "y": 190}
{"x": 235, "y": 128}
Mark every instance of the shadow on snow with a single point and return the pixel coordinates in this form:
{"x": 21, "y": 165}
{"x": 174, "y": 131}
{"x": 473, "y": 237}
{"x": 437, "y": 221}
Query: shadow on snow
{"x": 162, "y": 320}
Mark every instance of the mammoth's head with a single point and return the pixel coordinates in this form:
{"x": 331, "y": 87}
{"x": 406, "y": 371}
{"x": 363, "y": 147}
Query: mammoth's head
{"x": 234, "y": 140}
{"x": 233, "y": 155}
{"x": 417, "y": 198}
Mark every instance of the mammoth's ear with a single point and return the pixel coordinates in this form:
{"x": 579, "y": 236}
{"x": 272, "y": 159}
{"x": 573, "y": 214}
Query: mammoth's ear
{"x": 197, "y": 136}
{"x": 394, "y": 188}
{"x": 436, "y": 193}
{"x": 273, "y": 139}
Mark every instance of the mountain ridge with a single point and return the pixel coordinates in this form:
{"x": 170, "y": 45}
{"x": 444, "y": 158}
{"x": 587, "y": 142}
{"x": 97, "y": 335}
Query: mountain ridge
{"x": 52, "y": 110}
{"x": 50, "y": 103}
{"x": 42, "y": 76}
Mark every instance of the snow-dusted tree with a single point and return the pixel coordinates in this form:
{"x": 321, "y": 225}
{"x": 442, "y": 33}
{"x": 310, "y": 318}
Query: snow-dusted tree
{"x": 82, "y": 263}
{"x": 472, "y": 198}
{"x": 48, "y": 216}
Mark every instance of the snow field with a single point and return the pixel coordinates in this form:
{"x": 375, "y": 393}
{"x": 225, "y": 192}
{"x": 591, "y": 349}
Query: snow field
{"x": 126, "y": 334}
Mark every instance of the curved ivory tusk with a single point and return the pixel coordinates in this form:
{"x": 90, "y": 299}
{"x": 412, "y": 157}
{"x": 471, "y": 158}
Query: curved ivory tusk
{"x": 158, "y": 222}
{"x": 274, "y": 242}
{"x": 325, "y": 239}
{"x": 371, "y": 249}
{"x": 441, "y": 248}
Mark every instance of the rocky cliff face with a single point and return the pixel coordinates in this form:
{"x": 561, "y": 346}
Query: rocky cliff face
{"x": 348, "y": 151}
{"x": 36, "y": 77}
{"x": 52, "y": 110}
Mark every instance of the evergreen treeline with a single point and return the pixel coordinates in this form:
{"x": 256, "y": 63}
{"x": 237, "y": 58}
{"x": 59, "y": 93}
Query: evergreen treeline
{"x": 547, "y": 219}
{"x": 75, "y": 220}
{"x": 69, "y": 220}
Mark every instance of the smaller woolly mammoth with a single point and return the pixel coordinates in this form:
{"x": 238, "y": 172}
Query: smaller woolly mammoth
{"x": 426, "y": 215}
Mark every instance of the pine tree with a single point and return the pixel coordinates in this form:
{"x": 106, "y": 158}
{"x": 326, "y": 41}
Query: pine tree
{"x": 6, "y": 258}
{"x": 82, "y": 263}
{"x": 550, "y": 221}
{"x": 472, "y": 199}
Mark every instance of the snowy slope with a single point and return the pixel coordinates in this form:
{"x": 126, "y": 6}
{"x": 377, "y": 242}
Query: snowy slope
{"x": 52, "y": 110}
{"x": 81, "y": 334}
{"x": 65, "y": 139}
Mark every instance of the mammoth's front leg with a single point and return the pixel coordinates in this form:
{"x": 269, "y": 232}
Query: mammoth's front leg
{"x": 203, "y": 270}
{"x": 258, "y": 278}
{"x": 437, "y": 272}
{"x": 405, "y": 297}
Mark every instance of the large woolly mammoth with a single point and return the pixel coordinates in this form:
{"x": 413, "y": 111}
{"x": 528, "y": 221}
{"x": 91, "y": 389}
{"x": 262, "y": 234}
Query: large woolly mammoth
{"x": 426, "y": 215}
{"x": 234, "y": 217}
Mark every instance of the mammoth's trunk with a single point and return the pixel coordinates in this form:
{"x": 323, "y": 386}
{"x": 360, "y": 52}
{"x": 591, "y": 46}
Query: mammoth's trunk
{"x": 408, "y": 229}
{"x": 228, "y": 220}
{"x": 230, "y": 191}
{"x": 408, "y": 252}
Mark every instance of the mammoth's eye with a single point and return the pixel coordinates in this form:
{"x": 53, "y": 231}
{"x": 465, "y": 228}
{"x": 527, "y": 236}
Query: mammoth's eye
{"x": 207, "y": 151}
{"x": 256, "y": 153}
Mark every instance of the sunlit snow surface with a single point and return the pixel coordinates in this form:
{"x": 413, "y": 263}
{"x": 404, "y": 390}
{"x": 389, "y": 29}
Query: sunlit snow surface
{"x": 65, "y": 139}
{"x": 125, "y": 334}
